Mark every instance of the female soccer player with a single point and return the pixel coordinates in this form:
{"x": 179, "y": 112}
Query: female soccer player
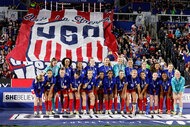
{"x": 119, "y": 66}
{"x": 129, "y": 69}
{"x": 88, "y": 87}
{"x": 178, "y": 83}
{"x": 156, "y": 68}
{"x": 63, "y": 85}
{"x": 50, "y": 82}
{"x": 142, "y": 91}
{"x": 106, "y": 67}
{"x": 92, "y": 67}
{"x": 133, "y": 82}
{"x": 79, "y": 68}
{"x": 121, "y": 86}
{"x": 38, "y": 89}
{"x": 75, "y": 84}
{"x": 109, "y": 82}
{"x": 165, "y": 89}
{"x": 145, "y": 69}
{"x": 67, "y": 64}
{"x": 99, "y": 93}
{"x": 154, "y": 87}
{"x": 55, "y": 69}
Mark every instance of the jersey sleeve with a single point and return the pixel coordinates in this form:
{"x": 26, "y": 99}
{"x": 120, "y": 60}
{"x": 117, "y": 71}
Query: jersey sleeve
{"x": 182, "y": 85}
{"x": 54, "y": 80}
{"x": 173, "y": 85}
{"x": 32, "y": 86}
{"x": 114, "y": 82}
{"x": 97, "y": 82}
{"x": 46, "y": 69}
{"x": 57, "y": 71}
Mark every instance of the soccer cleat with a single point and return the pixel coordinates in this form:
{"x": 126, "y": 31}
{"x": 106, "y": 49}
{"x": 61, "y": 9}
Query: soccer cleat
{"x": 62, "y": 110}
{"x": 174, "y": 113}
{"x": 115, "y": 112}
{"x": 122, "y": 112}
{"x": 50, "y": 112}
{"x": 156, "y": 111}
{"x": 140, "y": 112}
{"x": 35, "y": 113}
{"x": 110, "y": 112}
{"x": 100, "y": 112}
{"x": 84, "y": 112}
{"x": 106, "y": 113}
{"x": 91, "y": 112}
{"x": 128, "y": 112}
{"x": 71, "y": 112}
{"x": 47, "y": 112}
{"x": 168, "y": 112}
{"x": 40, "y": 112}
{"x": 53, "y": 112}
{"x": 180, "y": 113}
{"x": 77, "y": 113}
{"x": 151, "y": 112}
{"x": 143, "y": 112}
{"x": 161, "y": 111}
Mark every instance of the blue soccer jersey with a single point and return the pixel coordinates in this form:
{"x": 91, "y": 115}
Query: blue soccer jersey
{"x": 69, "y": 72}
{"x": 76, "y": 82}
{"x": 105, "y": 69}
{"x": 147, "y": 72}
{"x": 120, "y": 83}
{"x": 109, "y": 83}
{"x": 132, "y": 83}
{"x": 166, "y": 85}
{"x": 82, "y": 74}
{"x": 94, "y": 69}
{"x": 38, "y": 86}
{"x": 65, "y": 81}
{"x": 143, "y": 82}
{"x": 49, "y": 82}
{"x": 154, "y": 86}
{"x": 90, "y": 83}
{"x": 99, "y": 81}
{"x": 170, "y": 74}
{"x": 128, "y": 71}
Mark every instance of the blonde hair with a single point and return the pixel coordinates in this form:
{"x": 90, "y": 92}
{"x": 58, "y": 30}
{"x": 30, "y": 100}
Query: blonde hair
{"x": 38, "y": 78}
{"x": 177, "y": 71}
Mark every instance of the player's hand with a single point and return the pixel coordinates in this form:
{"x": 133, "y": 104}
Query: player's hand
{"x": 140, "y": 96}
{"x": 109, "y": 88}
{"x": 73, "y": 89}
{"x": 64, "y": 87}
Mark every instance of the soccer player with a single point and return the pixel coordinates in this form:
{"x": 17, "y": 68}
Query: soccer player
{"x": 130, "y": 67}
{"x": 142, "y": 91}
{"x": 75, "y": 84}
{"x": 154, "y": 87}
{"x": 119, "y": 66}
{"x": 92, "y": 67}
{"x": 156, "y": 68}
{"x": 145, "y": 69}
{"x": 106, "y": 67}
{"x": 109, "y": 83}
{"x": 178, "y": 83}
{"x": 133, "y": 82}
{"x": 37, "y": 89}
{"x": 165, "y": 89}
{"x": 88, "y": 88}
{"x": 50, "y": 82}
{"x": 55, "y": 70}
{"x": 99, "y": 93}
{"x": 121, "y": 86}
{"x": 67, "y": 64}
{"x": 63, "y": 82}
{"x": 79, "y": 68}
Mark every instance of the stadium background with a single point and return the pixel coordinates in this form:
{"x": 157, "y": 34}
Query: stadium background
{"x": 158, "y": 21}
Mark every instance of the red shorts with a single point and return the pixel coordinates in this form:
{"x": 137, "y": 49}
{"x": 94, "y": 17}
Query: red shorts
{"x": 100, "y": 91}
{"x": 95, "y": 92}
{"x": 87, "y": 92}
{"x": 130, "y": 91}
{"x": 64, "y": 91}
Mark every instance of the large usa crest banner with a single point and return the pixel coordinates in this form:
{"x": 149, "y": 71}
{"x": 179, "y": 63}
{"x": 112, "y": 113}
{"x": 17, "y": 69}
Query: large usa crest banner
{"x": 45, "y": 34}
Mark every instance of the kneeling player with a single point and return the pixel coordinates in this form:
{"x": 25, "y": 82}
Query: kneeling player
{"x": 142, "y": 91}
{"x": 165, "y": 89}
{"x": 109, "y": 82}
{"x": 63, "y": 84}
{"x": 154, "y": 87}
{"x": 88, "y": 88}
{"x": 99, "y": 92}
{"x": 133, "y": 82}
{"x": 121, "y": 86}
{"x": 38, "y": 89}
{"x": 75, "y": 84}
{"x": 50, "y": 82}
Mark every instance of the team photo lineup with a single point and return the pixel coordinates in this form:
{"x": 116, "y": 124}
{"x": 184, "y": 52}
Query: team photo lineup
{"x": 92, "y": 87}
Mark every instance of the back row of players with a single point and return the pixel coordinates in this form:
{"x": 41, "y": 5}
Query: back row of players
{"x": 91, "y": 85}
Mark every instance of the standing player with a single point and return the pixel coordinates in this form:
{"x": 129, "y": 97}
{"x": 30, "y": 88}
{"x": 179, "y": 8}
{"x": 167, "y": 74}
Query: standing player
{"x": 121, "y": 86}
{"x": 66, "y": 62}
{"x": 99, "y": 93}
{"x": 92, "y": 67}
{"x": 106, "y": 67}
{"x": 55, "y": 69}
{"x": 80, "y": 69}
{"x": 37, "y": 89}
{"x": 130, "y": 67}
{"x": 145, "y": 69}
{"x": 133, "y": 82}
{"x": 178, "y": 83}
{"x": 109, "y": 82}
{"x": 75, "y": 84}
{"x": 88, "y": 87}
{"x": 50, "y": 82}
{"x": 63, "y": 82}
{"x": 142, "y": 91}
{"x": 154, "y": 87}
{"x": 165, "y": 89}
{"x": 119, "y": 66}
{"x": 156, "y": 68}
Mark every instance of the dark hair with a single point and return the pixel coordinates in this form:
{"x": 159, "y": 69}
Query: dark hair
{"x": 62, "y": 69}
{"x": 101, "y": 72}
{"x": 78, "y": 72}
{"x": 49, "y": 70}
{"x": 109, "y": 71}
{"x": 123, "y": 79}
{"x": 52, "y": 60}
{"x": 166, "y": 75}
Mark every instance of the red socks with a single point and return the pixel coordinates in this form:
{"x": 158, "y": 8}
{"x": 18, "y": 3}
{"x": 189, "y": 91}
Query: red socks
{"x": 71, "y": 104}
{"x": 110, "y": 104}
{"x": 161, "y": 104}
{"x": 84, "y": 107}
{"x": 77, "y": 104}
{"x": 156, "y": 107}
{"x": 96, "y": 105}
{"x": 115, "y": 103}
{"x": 144, "y": 104}
{"x": 151, "y": 108}
{"x": 46, "y": 105}
{"x": 172, "y": 104}
{"x": 66, "y": 103}
{"x": 91, "y": 106}
{"x": 140, "y": 104}
{"x": 127, "y": 107}
{"x": 168, "y": 104}
{"x": 106, "y": 105}
{"x": 122, "y": 104}
{"x": 49, "y": 104}
{"x": 35, "y": 108}
{"x": 40, "y": 107}
{"x": 57, "y": 103}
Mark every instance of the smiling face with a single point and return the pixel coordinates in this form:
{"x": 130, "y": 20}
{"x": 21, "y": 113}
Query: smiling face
{"x": 164, "y": 76}
{"x": 144, "y": 65}
{"x": 62, "y": 73}
{"x": 119, "y": 60}
{"x": 134, "y": 73}
{"x": 130, "y": 63}
{"x": 101, "y": 75}
{"x": 49, "y": 73}
{"x": 79, "y": 65}
{"x": 110, "y": 74}
{"x": 121, "y": 74}
{"x": 177, "y": 74}
{"x": 170, "y": 67}
{"x": 90, "y": 74}
{"x": 106, "y": 61}
{"x": 67, "y": 62}
{"x": 155, "y": 76}
{"x": 157, "y": 66}
{"x": 143, "y": 75}
{"x": 54, "y": 63}
{"x": 92, "y": 62}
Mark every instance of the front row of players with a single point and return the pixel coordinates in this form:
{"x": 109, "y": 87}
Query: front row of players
{"x": 89, "y": 91}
